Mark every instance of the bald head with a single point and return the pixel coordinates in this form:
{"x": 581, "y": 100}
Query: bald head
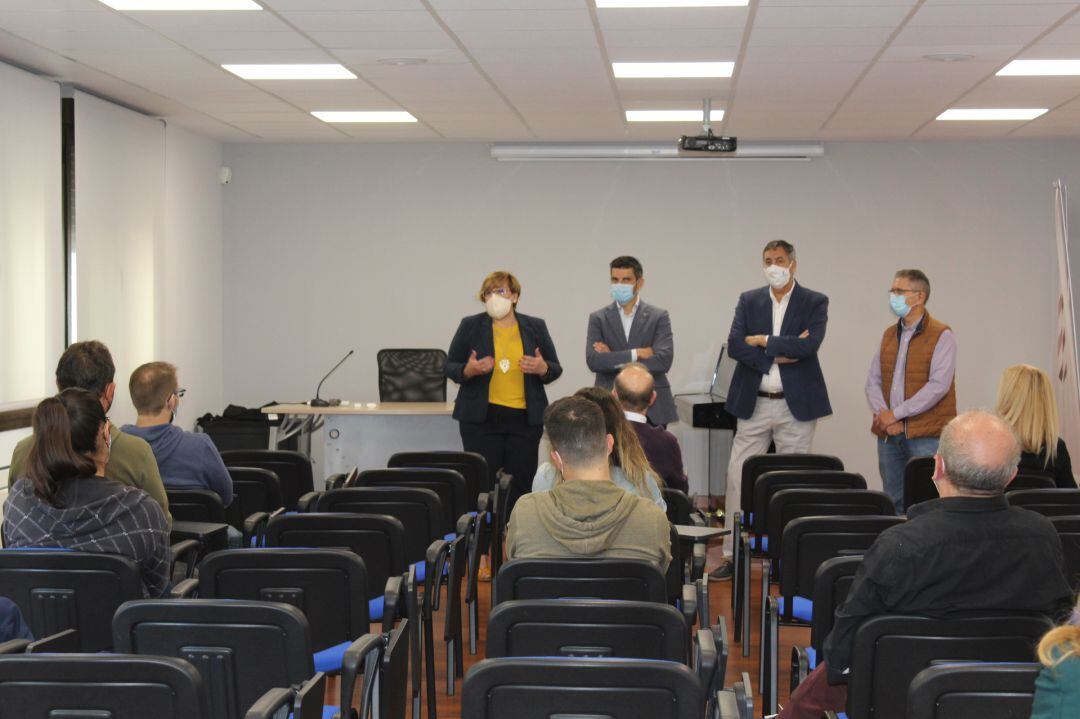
{"x": 978, "y": 453}
{"x": 634, "y": 387}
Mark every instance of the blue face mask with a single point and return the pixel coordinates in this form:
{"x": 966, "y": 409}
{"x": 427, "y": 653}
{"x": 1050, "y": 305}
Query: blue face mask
{"x": 622, "y": 293}
{"x": 899, "y": 305}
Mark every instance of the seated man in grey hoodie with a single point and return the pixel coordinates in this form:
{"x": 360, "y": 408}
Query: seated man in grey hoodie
{"x": 186, "y": 460}
{"x": 586, "y": 514}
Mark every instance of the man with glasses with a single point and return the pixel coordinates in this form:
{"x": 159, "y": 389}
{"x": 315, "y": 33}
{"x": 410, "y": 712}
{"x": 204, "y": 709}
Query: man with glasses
{"x": 186, "y": 460}
{"x": 89, "y": 365}
{"x": 910, "y": 386}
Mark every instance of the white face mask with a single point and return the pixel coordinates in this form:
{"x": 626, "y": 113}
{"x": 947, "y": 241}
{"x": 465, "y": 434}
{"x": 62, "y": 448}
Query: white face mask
{"x": 498, "y": 307}
{"x": 777, "y": 276}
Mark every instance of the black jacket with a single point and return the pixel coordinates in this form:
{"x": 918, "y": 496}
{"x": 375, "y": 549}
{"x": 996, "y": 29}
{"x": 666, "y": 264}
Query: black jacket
{"x": 1060, "y": 469}
{"x": 954, "y": 556}
{"x": 475, "y": 333}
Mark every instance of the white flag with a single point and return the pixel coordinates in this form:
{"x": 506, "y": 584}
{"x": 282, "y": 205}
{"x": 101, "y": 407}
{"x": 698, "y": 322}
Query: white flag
{"x": 1065, "y": 364}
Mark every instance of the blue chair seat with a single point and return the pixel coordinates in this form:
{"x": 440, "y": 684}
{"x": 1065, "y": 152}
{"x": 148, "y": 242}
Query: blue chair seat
{"x": 811, "y": 656}
{"x": 450, "y": 536}
{"x": 330, "y": 659}
{"x": 803, "y": 609}
{"x": 759, "y": 544}
{"x": 328, "y": 712}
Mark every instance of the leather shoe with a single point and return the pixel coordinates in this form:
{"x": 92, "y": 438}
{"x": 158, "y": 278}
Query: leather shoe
{"x": 723, "y": 572}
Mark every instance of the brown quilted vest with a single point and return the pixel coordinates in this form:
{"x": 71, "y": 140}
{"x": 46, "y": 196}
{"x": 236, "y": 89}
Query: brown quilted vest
{"x": 916, "y": 374}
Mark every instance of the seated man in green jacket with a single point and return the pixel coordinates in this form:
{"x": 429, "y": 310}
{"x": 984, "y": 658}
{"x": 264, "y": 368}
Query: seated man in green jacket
{"x": 89, "y": 366}
{"x": 586, "y": 514}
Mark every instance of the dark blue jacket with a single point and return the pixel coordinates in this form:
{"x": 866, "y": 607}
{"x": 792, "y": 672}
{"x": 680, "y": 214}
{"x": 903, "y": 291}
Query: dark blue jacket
{"x": 475, "y": 333}
{"x": 804, "y": 385}
{"x": 12, "y": 625}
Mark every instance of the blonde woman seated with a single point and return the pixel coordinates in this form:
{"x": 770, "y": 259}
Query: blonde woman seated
{"x": 1026, "y": 401}
{"x": 1057, "y": 690}
{"x": 630, "y": 470}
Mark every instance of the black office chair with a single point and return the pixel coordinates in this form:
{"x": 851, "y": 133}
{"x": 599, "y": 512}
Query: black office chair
{"x": 195, "y": 505}
{"x": 759, "y": 464}
{"x": 447, "y": 483}
{"x": 470, "y": 465}
{"x": 57, "y": 590}
{"x": 1048, "y": 502}
{"x": 293, "y": 469}
{"x": 241, "y": 648}
{"x": 257, "y": 496}
{"x": 890, "y": 650}
{"x": 544, "y": 687}
{"x": 411, "y": 375}
{"x": 832, "y": 582}
{"x": 976, "y": 690}
{"x": 1068, "y": 529}
{"x": 790, "y": 504}
{"x": 918, "y": 483}
{"x": 769, "y": 483}
{"x": 536, "y": 578}
{"x": 1030, "y": 480}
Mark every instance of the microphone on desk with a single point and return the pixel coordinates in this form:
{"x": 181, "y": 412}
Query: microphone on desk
{"x": 332, "y": 402}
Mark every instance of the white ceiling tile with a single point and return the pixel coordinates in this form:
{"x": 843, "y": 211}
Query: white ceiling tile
{"x": 443, "y": 5}
{"x": 1067, "y": 34}
{"x": 965, "y": 130}
{"x": 873, "y": 36}
{"x": 794, "y": 54}
{"x": 727, "y": 38}
{"x": 342, "y": 5}
{"x": 16, "y": 20}
{"x": 207, "y": 41}
{"x": 382, "y": 40}
{"x": 386, "y": 132}
{"x": 492, "y": 20}
{"x": 679, "y": 91}
{"x": 400, "y": 21}
{"x": 1046, "y": 51}
{"x": 475, "y": 126}
{"x": 988, "y": 14}
{"x": 552, "y": 39}
{"x": 945, "y": 36}
{"x": 1021, "y": 92}
{"x": 843, "y": 3}
{"x": 830, "y": 16}
{"x": 917, "y": 53}
{"x": 672, "y": 53}
{"x": 302, "y": 56}
{"x": 234, "y": 21}
{"x": 432, "y": 56}
{"x": 672, "y": 18}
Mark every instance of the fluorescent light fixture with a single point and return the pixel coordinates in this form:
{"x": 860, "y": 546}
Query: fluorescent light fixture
{"x": 355, "y": 116}
{"x": 183, "y": 5}
{"x": 1041, "y": 67}
{"x": 672, "y": 115}
{"x": 996, "y": 113}
{"x": 291, "y": 72}
{"x": 604, "y": 4}
{"x": 673, "y": 69}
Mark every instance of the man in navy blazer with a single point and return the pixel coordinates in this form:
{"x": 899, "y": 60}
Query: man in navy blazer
{"x": 778, "y": 391}
{"x": 629, "y": 330}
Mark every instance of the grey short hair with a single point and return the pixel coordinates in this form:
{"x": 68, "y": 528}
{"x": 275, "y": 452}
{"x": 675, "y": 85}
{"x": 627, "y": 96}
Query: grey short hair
{"x": 964, "y": 467}
{"x": 787, "y": 247}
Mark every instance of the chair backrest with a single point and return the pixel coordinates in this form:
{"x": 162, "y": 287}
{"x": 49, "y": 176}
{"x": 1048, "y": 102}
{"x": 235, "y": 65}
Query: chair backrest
{"x": 769, "y": 483}
{"x": 977, "y": 690}
{"x": 790, "y": 504}
{"x": 918, "y": 483}
{"x": 545, "y": 687}
{"x": 330, "y": 586}
{"x": 832, "y": 581}
{"x": 292, "y": 468}
{"x": 472, "y": 465}
{"x": 115, "y": 686}
{"x": 545, "y": 578}
{"x": 411, "y": 375}
{"x": 378, "y": 539}
{"x": 761, "y": 463}
{"x": 1048, "y": 502}
{"x": 195, "y": 505}
{"x": 58, "y": 590}
{"x": 447, "y": 483}
{"x": 587, "y": 628}
{"x": 891, "y": 649}
{"x": 394, "y": 673}
{"x": 254, "y": 490}
{"x": 241, "y": 648}
{"x": 679, "y": 506}
{"x": 809, "y": 541}
{"x": 417, "y": 508}
{"x": 1068, "y": 529}
{"x": 1030, "y": 480}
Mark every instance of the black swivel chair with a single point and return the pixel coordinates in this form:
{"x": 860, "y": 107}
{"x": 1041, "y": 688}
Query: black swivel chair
{"x": 411, "y": 375}
{"x": 293, "y": 469}
{"x": 976, "y": 690}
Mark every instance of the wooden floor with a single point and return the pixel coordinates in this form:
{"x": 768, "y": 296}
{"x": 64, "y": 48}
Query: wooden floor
{"x": 449, "y": 707}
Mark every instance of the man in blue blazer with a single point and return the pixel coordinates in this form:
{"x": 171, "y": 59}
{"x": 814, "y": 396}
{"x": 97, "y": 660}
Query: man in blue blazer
{"x": 777, "y": 392}
{"x": 629, "y": 330}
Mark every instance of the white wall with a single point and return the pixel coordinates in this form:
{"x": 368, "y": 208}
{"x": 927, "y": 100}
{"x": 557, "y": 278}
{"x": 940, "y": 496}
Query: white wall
{"x": 369, "y": 246}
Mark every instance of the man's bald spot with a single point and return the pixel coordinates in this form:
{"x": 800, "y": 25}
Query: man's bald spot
{"x": 634, "y": 386}
{"x": 980, "y": 452}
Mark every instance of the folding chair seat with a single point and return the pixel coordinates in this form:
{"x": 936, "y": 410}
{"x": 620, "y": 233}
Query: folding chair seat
{"x": 890, "y": 650}
{"x": 1048, "y": 502}
{"x": 293, "y": 469}
{"x": 241, "y": 648}
{"x": 544, "y": 687}
{"x": 832, "y": 582}
{"x": 976, "y": 690}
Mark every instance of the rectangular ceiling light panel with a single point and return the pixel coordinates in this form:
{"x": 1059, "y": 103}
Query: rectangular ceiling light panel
{"x": 1041, "y": 68}
{"x": 291, "y": 72}
{"x": 354, "y": 116}
{"x": 672, "y": 115}
{"x": 181, "y": 5}
{"x": 672, "y": 69}
{"x": 996, "y": 113}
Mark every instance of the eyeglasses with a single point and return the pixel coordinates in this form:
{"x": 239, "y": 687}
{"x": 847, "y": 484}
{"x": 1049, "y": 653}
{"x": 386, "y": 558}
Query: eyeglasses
{"x": 500, "y": 291}
{"x": 898, "y": 291}
{"x": 180, "y": 392}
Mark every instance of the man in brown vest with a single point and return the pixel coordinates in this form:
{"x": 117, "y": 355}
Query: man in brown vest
{"x": 910, "y": 387}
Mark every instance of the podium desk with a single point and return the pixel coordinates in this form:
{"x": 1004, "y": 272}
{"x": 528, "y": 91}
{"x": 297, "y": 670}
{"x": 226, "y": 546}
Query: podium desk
{"x": 366, "y": 434}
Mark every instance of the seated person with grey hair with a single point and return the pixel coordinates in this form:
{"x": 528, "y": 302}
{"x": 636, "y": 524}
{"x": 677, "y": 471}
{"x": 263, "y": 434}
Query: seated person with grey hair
{"x": 586, "y": 514}
{"x": 968, "y": 551}
{"x": 636, "y": 391}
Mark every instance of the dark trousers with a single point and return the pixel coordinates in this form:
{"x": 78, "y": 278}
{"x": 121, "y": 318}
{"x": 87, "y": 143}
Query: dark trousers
{"x": 508, "y": 442}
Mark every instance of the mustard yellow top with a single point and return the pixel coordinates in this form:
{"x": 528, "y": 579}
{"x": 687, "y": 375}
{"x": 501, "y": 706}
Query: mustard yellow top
{"x": 507, "y": 386}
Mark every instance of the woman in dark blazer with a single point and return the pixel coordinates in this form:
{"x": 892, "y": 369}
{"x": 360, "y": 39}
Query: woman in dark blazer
{"x": 502, "y": 360}
{"x": 1026, "y": 401}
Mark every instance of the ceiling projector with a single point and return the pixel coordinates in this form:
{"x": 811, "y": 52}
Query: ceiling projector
{"x": 707, "y": 143}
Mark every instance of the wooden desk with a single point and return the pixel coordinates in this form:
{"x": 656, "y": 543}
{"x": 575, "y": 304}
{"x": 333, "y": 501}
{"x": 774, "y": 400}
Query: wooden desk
{"x": 366, "y": 434}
